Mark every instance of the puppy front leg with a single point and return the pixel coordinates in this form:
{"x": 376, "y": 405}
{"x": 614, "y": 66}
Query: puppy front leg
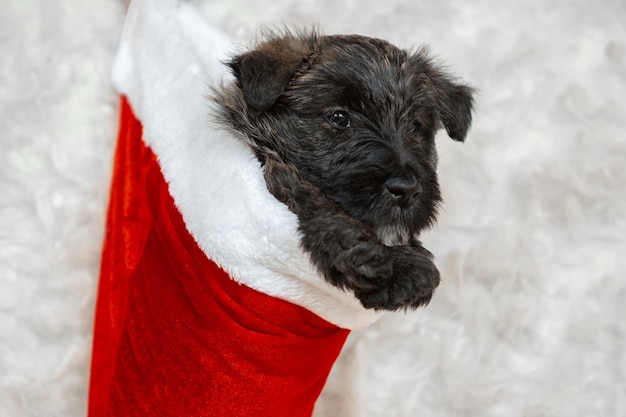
{"x": 347, "y": 253}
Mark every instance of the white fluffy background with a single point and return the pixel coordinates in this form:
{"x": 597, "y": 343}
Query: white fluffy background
{"x": 530, "y": 319}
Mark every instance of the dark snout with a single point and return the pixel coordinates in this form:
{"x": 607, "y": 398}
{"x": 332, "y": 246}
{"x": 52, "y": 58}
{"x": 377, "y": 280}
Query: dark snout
{"x": 404, "y": 190}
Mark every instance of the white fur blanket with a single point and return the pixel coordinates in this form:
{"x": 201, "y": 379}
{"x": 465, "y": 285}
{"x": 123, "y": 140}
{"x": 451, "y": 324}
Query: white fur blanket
{"x": 529, "y": 318}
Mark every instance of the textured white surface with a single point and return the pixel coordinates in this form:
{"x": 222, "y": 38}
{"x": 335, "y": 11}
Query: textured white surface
{"x": 529, "y": 319}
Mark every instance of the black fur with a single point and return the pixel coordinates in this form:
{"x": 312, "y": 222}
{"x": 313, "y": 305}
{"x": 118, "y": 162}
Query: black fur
{"x": 345, "y": 127}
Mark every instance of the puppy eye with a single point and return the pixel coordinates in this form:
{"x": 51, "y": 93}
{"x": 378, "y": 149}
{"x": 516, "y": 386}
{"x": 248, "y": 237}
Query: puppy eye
{"x": 339, "y": 119}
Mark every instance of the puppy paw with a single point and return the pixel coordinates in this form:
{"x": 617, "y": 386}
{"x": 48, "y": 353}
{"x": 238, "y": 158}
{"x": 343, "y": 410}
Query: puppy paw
{"x": 412, "y": 285}
{"x": 365, "y": 266}
{"x": 348, "y": 254}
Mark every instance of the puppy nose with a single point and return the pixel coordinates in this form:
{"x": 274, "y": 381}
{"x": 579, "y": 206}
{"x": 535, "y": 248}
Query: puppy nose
{"x": 404, "y": 190}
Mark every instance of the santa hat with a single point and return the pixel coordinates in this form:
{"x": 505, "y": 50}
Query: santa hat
{"x": 207, "y": 306}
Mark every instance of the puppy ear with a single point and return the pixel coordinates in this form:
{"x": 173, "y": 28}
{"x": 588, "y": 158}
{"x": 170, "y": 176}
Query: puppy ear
{"x": 454, "y": 101}
{"x": 264, "y": 73}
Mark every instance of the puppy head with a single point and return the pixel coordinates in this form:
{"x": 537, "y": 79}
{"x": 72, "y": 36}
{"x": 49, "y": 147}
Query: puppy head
{"x": 357, "y": 116}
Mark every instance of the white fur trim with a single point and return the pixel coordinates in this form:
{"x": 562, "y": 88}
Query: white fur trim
{"x": 167, "y": 61}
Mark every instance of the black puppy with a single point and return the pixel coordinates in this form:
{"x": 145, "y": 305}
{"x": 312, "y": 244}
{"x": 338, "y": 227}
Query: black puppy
{"x": 345, "y": 128}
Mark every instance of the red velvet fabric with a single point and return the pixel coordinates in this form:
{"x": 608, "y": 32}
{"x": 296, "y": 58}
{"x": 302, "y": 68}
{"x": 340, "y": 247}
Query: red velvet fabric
{"x": 174, "y": 334}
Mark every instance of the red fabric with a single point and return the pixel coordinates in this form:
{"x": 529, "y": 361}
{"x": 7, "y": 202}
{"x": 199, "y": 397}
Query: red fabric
{"x": 174, "y": 334}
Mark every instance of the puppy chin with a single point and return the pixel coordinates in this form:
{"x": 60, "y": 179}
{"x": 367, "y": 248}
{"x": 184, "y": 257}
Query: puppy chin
{"x": 394, "y": 235}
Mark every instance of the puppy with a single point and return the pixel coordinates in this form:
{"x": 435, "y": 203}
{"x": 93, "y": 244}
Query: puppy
{"x": 344, "y": 127}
